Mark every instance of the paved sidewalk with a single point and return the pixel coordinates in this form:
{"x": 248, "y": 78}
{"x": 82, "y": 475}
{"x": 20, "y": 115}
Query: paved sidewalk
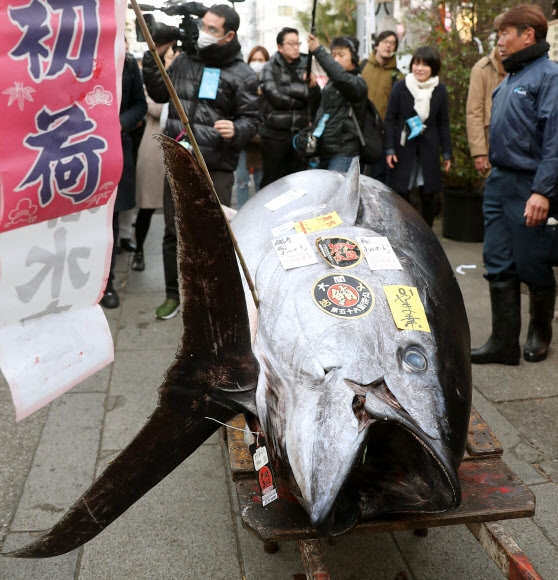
{"x": 188, "y": 527}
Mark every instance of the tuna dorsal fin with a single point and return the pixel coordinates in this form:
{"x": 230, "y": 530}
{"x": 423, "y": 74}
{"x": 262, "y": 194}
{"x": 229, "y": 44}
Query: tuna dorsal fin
{"x": 214, "y": 374}
{"x": 347, "y": 200}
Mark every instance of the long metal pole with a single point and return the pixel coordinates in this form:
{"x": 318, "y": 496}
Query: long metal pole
{"x": 312, "y": 31}
{"x": 192, "y": 139}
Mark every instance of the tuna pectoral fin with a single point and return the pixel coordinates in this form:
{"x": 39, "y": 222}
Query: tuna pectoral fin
{"x": 214, "y": 374}
{"x": 167, "y": 439}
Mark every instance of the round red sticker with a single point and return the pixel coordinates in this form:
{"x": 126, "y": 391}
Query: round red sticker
{"x": 343, "y": 296}
{"x": 266, "y": 479}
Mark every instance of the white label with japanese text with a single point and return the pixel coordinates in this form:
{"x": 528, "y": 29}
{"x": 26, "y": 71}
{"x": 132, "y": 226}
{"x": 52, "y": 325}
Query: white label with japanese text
{"x": 269, "y": 495}
{"x": 379, "y": 253}
{"x": 282, "y": 229}
{"x": 294, "y": 251}
{"x": 260, "y": 458}
{"x": 285, "y": 198}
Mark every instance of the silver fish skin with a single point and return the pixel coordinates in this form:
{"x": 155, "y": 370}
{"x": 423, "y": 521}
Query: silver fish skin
{"x": 362, "y": 419}
{"x": 330, "y": 387}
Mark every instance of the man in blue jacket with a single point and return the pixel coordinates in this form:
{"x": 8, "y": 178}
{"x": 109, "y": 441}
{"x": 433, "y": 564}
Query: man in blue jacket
{"x": 521, "y": 195}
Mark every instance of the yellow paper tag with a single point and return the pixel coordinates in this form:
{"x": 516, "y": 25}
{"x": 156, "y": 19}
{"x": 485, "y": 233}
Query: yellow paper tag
{"x": 322, "y": 222}
{"x": 406, "y": 308}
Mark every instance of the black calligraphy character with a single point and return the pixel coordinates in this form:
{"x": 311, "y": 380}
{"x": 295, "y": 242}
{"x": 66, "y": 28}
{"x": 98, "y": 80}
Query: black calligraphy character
{"x": 71, "y": 28}
{"x": 32, "y": 17}
{"x": 55, "y": 262}
{"x": 410, "y": 318}
{"x": 75, "y": 45}
{"x": 67, "y": 161}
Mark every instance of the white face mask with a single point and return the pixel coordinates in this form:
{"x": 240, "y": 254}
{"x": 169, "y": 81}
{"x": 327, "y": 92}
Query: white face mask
{"x": 205, "y": 40}
{"x": 256, "y": 66}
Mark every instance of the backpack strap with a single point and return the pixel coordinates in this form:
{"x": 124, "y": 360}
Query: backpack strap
{"x": 359, "y": 131}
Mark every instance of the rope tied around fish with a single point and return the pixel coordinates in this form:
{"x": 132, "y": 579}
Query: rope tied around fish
{"x": 257, "y": 433}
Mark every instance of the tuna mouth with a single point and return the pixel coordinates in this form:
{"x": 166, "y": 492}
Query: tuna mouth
{"x": 401, "y": 473}
{"x": 400, "y": 470}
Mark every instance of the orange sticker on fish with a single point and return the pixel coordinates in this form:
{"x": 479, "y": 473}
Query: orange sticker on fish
{"x": 322, "y": 222}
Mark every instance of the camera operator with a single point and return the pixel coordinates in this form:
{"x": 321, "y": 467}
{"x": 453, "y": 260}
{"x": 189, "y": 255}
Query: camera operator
{"x": 219, "y": 93}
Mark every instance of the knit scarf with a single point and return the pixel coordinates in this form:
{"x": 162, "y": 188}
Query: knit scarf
{"x": 520, "y": 59}
{"x": 422, "y": 93}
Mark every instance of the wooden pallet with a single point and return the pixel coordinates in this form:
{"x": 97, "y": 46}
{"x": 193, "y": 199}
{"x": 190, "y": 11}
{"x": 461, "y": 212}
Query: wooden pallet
{"x": 491, "y": 491}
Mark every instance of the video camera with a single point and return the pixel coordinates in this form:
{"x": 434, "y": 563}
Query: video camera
{"x": 186, "y": 32}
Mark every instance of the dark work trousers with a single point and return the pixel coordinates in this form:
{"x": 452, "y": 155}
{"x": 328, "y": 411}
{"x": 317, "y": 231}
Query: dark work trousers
{"x": 143, "y": 221}
{"x": 511, "y": 249}
{"x": 223, "y": 182}
{"x": 377, "y": 171}
{"x": 279, "y": 159}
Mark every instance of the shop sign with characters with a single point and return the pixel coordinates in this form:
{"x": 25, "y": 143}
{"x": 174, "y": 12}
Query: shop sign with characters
{"x": 60, "y": 162}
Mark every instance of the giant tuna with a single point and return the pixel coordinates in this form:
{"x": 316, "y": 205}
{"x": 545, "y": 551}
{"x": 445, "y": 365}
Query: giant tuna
{"x": 361, "y": 417}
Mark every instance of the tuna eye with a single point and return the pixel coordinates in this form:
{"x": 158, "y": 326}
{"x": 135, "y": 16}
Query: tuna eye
{"x": 413, "y": 360}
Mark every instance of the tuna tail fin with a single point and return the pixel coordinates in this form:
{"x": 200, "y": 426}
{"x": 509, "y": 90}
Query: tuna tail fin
{"x": 346, "y": 201}
{"x": 214, "y": 374}
{"x": 164, "y": 442}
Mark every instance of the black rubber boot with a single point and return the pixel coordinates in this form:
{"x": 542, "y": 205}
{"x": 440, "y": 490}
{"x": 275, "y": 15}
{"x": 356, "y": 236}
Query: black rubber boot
{"x": 503, "y": 346}
{"x": 541, "y": 309}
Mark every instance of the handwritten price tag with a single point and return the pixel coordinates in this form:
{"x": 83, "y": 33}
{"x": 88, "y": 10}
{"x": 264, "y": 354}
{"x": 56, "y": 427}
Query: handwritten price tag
{"x": 406, "y": 308}
{"x": 379, "y": 253}
{"x": 294, "y": 251}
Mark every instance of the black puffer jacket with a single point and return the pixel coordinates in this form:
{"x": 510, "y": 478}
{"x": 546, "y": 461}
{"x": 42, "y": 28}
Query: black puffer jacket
{"x": 133, "y": 108}
{"x": 289, "y": 104}
{"x": 340, "y": 137}
{"x": 236, "y": 100}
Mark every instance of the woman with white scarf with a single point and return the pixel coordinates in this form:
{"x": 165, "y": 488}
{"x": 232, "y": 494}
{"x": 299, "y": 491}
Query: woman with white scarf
{"x": 416, "y": 129}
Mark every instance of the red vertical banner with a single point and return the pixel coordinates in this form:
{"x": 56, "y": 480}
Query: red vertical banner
{"x": 60, "y": 163}
{"x": 60, "y": 149}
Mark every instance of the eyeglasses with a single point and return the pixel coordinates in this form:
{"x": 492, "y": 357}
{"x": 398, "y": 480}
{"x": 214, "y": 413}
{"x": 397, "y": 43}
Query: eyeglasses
{"x": 388, "y": 42}
{"x": 208, "y": 29}
{"x": 291, "y": 44}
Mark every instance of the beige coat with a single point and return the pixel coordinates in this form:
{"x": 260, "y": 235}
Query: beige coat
{"x": 150, "y": 173}
{"x": 486, "y": 75}
{"x": 380, "y": 80}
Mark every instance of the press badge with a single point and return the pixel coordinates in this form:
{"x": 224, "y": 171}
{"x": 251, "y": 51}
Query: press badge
{"x": 209, "y": 83}
{"x": 318, "y": 131}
